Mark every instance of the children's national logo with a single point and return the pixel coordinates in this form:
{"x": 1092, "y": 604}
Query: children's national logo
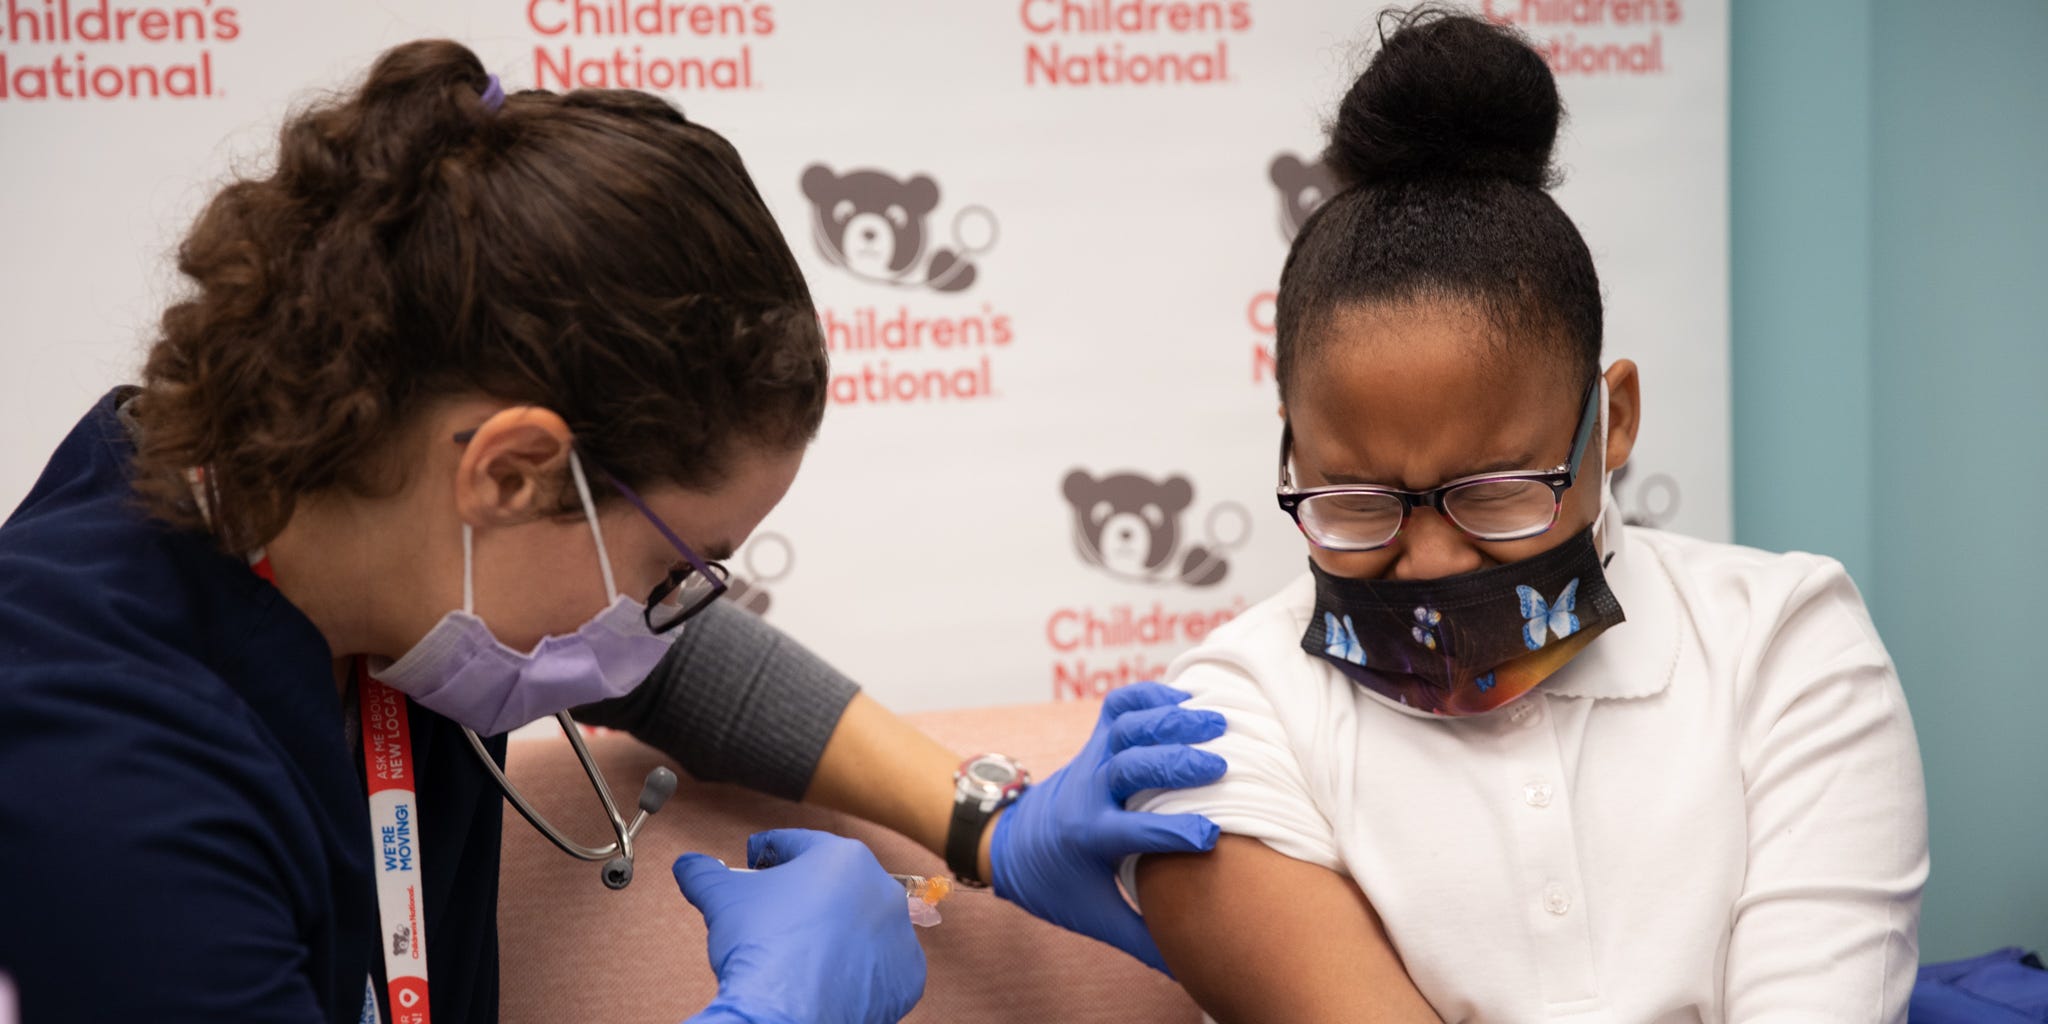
{"x": 1303, "y": 186}
{"x": 878, "y": 227}
{"x": 1651, "y": 501}
{"x": 648, "y": 44}
{"x": 763, "y": 561}
{"x": 1138, "y": 529}
{"x": 66, "y": 51}
{"x": 915, "y": 334}
{"x": 1133, "y": 527}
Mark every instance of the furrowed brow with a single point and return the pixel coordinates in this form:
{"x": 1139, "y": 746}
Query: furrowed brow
{"x": 1525, "y": 463}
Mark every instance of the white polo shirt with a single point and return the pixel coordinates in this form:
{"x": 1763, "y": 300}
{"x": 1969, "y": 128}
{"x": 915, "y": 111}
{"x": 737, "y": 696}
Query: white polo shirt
{"x": 1714, "y": 813}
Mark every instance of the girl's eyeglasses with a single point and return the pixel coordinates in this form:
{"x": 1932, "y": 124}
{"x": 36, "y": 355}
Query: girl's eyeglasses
{"x": 1487, "y": 506}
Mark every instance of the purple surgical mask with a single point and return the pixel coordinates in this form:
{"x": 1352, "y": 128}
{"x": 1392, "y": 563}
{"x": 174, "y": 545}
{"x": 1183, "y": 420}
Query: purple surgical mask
{"x": 461, "y": 671}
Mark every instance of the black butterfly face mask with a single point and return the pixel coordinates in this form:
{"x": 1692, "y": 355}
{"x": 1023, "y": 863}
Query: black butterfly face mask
{"x": 1466, "y": 644}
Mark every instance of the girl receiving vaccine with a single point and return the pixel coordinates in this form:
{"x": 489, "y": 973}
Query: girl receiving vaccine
{"x": 1496, "y": 755}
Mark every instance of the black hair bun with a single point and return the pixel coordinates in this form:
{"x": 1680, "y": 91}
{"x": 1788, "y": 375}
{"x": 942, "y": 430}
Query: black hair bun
{"x": 1449, "y": 95}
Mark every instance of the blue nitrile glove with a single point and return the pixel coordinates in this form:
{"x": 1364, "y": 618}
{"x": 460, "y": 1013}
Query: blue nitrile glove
{"x": 1056, "y": 850}
{"x": 822, "y": 937}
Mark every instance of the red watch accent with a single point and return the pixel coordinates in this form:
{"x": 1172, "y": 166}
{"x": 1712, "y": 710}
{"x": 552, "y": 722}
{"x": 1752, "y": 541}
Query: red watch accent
{"x": 982, "y": 785}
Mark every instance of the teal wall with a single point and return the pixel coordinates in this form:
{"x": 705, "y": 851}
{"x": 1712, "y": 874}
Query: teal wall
{"x": 1890, "y": 376}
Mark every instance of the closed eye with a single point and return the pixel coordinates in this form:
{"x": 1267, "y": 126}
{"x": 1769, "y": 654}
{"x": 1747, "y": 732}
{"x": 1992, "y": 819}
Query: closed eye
{"x": 1493, "y": 492}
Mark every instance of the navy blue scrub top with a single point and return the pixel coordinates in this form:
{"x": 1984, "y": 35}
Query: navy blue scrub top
{"x": 184, "y": 834}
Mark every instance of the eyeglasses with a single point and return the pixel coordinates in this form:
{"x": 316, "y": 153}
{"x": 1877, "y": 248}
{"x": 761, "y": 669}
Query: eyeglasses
{"x": 1486, "y": 506}
{"x": 687, "y": 589}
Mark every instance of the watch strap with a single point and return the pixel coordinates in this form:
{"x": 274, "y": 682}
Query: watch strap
{"x": 963, "y": 841}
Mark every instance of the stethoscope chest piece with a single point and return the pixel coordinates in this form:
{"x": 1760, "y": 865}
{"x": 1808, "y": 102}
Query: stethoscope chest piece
{"x": 617, "y": 870}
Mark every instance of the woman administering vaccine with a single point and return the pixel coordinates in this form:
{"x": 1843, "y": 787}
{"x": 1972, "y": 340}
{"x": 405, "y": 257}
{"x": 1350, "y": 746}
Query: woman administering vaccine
{"x": 468, "y": 395}
{"x": 1497, "y": 756}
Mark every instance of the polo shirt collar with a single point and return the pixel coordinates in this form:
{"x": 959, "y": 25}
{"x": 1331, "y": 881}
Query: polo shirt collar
{"x": 1639, "y": 656}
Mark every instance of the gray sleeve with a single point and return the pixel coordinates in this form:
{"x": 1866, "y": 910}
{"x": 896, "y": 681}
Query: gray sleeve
{"x": 736, "y": 700}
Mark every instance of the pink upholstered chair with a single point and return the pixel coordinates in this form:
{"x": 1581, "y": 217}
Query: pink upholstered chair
{"x": 573, "y": 950}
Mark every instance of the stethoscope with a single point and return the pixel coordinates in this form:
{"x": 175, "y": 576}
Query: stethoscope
{"x": 617, "y": 855}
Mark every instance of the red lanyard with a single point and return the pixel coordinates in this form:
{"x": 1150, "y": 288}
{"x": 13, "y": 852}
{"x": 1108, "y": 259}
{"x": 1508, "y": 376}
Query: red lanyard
{"x": 389, "y": 770}
{"x": 394, "y": 832}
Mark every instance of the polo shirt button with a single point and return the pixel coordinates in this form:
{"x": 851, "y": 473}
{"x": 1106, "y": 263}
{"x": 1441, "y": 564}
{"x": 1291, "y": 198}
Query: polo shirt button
{"x": 1537, "y": 794}
{"x": 1526, "y": 714}
{"x": 1556, "y": 900}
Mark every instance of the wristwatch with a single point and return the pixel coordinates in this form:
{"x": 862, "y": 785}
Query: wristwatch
{"x": 982, "y": 785}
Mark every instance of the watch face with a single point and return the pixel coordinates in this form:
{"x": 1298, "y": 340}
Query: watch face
{"x": 993, "y": 772}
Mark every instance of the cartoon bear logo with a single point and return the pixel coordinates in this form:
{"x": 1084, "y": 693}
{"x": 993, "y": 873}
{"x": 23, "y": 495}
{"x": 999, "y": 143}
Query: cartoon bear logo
{"x": 1303, "y": 187}
{"x": 876, "y": 226}
{"x": 767, "y": 559}
{"x": 1655, "y": 498}
{"x": 1130, "y": 526}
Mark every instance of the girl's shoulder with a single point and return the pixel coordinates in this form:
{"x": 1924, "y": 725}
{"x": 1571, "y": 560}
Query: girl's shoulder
{"x": 1264, "y": 635}
{"x": 1726, "y": 589}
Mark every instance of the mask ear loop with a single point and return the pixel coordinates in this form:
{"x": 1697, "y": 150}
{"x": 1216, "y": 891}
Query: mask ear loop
{"x": 468, "y": 570}
{"x": 604, "y": 560}
{"x": 1601, "y": 527}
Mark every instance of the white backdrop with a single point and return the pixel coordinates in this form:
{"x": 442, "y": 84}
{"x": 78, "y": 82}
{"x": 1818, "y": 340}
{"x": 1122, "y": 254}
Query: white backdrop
{"x": 1105, "y": 206}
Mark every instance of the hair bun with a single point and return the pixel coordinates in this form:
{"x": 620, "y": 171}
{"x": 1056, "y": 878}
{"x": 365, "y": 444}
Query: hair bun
{"x": 1449, "y": 95}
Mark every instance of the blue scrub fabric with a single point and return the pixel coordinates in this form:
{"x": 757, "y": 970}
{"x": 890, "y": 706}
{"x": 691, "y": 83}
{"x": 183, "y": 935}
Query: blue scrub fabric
{"x": 184, "y": 834}
{"x": 2005, "y": 987}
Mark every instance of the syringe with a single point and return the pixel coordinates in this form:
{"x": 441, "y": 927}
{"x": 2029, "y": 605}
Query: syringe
{"x": 924, "y": 893}
{"x": 930, "y": 888}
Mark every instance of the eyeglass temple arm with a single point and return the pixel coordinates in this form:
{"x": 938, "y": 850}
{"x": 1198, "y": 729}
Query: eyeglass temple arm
{"x": 1583, "y": 436}
{"x": 1286, "y": 441}
{"x": 632, "y": 496}
{"x": 690, "y": 555}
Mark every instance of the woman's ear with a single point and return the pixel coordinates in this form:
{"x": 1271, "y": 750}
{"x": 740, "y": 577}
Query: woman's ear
{"x": 512, "y": 467}
{"x": 1624, "y": 412}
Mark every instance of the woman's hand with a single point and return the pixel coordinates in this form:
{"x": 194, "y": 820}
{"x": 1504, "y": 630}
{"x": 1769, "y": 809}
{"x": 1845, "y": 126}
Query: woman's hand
{"x": 1056, "y": 851}
{"x": 822, "y": 936}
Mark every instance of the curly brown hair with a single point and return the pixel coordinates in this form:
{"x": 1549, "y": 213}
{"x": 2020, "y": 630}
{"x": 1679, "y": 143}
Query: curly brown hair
{"x": 594, "y": 253}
